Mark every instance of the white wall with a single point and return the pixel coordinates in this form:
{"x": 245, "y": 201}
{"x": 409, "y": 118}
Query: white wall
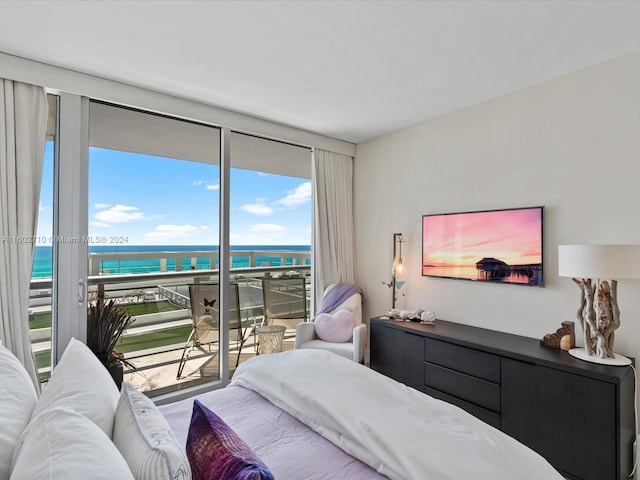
{"x": 572, "y": 145}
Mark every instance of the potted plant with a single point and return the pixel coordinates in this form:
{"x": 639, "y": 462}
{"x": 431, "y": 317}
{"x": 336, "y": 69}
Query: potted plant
{"x": 106, "y": 322}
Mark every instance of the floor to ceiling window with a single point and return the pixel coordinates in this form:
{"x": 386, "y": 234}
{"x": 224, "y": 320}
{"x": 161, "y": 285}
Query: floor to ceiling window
{"x": 270, "y": 218}
{"x": 40, "y": 315}
{"x": 153, "y": 223}
{"x": 154, "y": 236}
{"x": 150, "y": 209}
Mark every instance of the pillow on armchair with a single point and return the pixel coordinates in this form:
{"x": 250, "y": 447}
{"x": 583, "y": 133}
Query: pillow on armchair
{"x": 335, "y": 327}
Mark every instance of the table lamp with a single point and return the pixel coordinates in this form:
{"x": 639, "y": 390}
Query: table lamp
{"x": 591, "y": 266}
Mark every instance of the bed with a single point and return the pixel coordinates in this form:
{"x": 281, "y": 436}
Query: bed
{"x": 302, "y": 414}
{"x": 311, "y": 414}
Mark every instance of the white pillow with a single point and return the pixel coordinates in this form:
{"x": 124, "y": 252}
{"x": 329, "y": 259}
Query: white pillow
{"x": 83, "y": 384}
{"x": 17, "y": 398}
{"x": 62, "y": 444}
{"x": 145, "y": 439}
{"x": 334, "y": 327}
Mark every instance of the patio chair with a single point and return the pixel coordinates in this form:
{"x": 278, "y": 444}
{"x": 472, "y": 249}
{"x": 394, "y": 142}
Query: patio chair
{"x": 205, "y": 316}
{"x": 284, "y": 300}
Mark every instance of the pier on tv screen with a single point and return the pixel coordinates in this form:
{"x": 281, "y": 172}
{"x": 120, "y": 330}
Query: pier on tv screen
{"x": 498, "y": 246}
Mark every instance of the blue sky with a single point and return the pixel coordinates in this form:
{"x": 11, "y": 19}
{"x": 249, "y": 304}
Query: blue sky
{"x": 151, "y": 200}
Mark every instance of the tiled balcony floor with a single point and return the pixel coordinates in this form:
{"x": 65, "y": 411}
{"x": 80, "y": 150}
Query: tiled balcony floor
{"x": 156, "y": 373}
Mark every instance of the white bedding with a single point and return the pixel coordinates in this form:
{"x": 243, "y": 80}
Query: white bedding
{"x": 290, "y": 449}
{"x": 398, "y": 431}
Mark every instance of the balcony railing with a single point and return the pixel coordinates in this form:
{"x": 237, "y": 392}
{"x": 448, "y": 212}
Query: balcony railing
{"x": 107, "y": 263}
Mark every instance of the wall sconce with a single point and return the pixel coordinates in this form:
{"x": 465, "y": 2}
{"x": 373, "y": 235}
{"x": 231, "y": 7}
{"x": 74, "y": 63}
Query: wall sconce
{"x": 398, "y": 265}
{"x": 598, "y": 313}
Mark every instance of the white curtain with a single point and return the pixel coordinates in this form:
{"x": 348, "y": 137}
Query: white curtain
{"x": 23, "y": 122}
{"x": 334, "y": 240}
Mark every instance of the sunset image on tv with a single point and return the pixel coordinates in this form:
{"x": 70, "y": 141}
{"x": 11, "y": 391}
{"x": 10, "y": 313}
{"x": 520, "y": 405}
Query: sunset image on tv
{"x": 503, "y": 246}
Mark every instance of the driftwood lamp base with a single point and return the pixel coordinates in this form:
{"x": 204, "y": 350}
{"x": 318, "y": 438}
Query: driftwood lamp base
{"x": 599, "y": 317}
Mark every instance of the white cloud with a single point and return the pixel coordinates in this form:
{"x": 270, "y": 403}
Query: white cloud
{"x": 257, "y": 208}
{"x": 299, "y": 196}
{"x": 42, "y": 208}
{"x": 205, "y": 228}
{"x": 101, "y": 206}
{"x": 120, "y": 214}
{"x": 170, "y": 232}
{"x": 207, "y": 185}
{"x": 268, "y": 228}
{"x": 100, "y": 224}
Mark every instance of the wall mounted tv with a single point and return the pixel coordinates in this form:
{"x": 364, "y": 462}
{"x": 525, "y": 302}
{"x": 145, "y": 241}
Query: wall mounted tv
{"x": 497, "y": 246}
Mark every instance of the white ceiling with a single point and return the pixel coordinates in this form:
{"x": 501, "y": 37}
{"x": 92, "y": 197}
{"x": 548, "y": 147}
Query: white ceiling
{"x": 351, "y": 70}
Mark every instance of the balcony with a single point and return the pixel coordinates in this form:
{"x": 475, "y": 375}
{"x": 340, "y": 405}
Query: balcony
{"x": 158, "y": 299}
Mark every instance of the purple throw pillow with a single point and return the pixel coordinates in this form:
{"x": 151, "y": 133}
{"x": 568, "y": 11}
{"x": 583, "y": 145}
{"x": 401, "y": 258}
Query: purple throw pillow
{"x": 216, "y": 452}
{"x": 335, "y": 327}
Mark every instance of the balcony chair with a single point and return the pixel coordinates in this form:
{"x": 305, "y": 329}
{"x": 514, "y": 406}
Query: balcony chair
{"x": 205, "y": 316}
{"x": 337, "y": 297}
{"x": 284, "y": 300}
{"x": 285, "y": 304}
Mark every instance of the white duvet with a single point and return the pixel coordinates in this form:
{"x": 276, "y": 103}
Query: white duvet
{"x": 400, "y": 432}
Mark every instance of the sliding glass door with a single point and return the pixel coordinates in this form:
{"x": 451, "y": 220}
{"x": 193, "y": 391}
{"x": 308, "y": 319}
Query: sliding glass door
{"x": 176, "y": 223}
{"x": 153, "y": 243}
{"x": 270, "y": 232}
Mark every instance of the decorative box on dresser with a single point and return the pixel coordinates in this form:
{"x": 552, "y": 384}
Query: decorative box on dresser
{"x": 576, "y": 414}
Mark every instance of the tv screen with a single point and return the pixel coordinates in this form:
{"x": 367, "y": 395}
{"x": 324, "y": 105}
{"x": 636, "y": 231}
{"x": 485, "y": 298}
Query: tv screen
{"x": 499, "y": 246}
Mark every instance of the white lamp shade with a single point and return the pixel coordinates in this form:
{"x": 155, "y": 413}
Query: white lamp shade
{"x": 599, "y": 261}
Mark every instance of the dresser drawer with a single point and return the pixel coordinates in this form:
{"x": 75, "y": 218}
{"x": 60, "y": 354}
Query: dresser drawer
{"x": 488, "y": 416}
{"x": 463, "y": 386}
{"x": 466, "y": 360}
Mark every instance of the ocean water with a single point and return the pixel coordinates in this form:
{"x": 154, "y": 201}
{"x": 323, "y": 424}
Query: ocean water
{"x": 43, "y": 258}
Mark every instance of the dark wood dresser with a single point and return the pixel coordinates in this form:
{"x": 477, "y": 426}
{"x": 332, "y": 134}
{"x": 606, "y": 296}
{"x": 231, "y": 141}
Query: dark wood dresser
{"x": 576, "y": 414}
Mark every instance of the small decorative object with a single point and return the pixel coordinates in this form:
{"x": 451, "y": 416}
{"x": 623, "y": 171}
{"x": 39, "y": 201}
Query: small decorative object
{"x": 419, "y": 315}
{"x": 428, "y": 317}
{"x": 598, "y": 313}
{"x": 563, "y": 338}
